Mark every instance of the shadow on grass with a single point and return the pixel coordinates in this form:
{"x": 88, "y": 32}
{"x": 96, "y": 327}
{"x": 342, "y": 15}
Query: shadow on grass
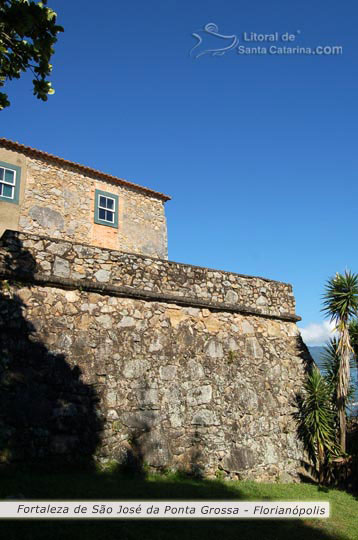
{"x": 116, "y": 485}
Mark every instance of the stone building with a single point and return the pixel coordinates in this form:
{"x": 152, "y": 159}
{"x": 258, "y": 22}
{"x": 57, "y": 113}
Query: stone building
{"x": 50, "y": 196}
{"x": 109, "y": 350}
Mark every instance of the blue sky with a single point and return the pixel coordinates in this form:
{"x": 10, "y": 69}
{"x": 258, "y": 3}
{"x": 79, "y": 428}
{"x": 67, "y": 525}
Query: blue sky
{"x": 259, "y": 152}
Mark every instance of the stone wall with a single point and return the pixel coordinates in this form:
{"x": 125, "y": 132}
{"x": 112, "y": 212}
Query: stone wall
{"x": 137, "y": 373}
{"x": 58, "y": 201}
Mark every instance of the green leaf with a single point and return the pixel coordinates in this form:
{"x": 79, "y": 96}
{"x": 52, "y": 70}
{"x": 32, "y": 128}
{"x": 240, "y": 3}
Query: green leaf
{"x": 28, "y": 32}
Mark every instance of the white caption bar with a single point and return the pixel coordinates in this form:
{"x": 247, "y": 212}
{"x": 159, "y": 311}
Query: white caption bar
{"x": 162, "y": 509}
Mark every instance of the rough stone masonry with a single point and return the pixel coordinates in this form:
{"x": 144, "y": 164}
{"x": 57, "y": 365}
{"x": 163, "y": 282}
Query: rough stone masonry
{"x": 119, "y": 356}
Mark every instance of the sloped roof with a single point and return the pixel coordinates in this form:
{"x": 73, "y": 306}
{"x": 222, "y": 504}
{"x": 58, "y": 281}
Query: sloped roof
{"x": 32, "y": 152}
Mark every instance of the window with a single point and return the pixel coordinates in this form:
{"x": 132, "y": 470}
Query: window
{"x": 106, "y": 209}
{"x": 9, "y": 182}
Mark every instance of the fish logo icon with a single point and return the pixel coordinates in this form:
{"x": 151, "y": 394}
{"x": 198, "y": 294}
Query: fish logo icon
{"x": 211, "y": 30}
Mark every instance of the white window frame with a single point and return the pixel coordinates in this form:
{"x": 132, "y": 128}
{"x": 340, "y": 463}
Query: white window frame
{"x": 113, "y": 211}
{"x": 3, "y": 181}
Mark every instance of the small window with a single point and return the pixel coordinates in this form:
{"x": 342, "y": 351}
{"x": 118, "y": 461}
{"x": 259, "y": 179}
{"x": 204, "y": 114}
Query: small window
{"x": 9, "y": 182}
{"x": 106, "y": 209}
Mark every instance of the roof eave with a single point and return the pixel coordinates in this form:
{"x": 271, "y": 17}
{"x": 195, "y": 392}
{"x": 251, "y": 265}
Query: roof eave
{"x": 33, "y": 152}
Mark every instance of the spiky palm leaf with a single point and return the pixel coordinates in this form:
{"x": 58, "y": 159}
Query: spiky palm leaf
{"x": 341, "y": 297}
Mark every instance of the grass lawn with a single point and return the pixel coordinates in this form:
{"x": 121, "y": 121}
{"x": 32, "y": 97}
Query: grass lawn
{"x": 84, "y": 485}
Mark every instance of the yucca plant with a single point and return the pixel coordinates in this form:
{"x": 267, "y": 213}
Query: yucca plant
{"x": 341, "y": 305}
{"x": 316, "y": 421}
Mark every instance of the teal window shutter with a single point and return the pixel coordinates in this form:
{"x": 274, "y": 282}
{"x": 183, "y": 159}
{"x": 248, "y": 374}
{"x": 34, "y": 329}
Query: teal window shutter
{"x": 106, "y": 208}
{"x": 10, "y": 178}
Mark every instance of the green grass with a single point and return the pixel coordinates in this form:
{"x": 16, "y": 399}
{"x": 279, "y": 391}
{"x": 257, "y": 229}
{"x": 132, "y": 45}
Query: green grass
{"x": 112, "y": 485}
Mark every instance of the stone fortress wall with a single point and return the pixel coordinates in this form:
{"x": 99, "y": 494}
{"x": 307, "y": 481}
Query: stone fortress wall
{"x": 138, "y": 359}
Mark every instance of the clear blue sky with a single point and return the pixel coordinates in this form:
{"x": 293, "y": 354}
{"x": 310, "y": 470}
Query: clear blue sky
{"x": 259, "y": 153}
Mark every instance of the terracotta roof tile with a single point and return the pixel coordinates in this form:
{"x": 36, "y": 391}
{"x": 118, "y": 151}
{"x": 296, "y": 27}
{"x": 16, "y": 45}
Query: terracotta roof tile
{"x": 32, "y": 152}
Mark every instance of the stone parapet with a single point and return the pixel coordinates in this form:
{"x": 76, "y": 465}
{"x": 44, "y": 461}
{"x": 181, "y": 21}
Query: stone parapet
{"x": 72, "y": 265}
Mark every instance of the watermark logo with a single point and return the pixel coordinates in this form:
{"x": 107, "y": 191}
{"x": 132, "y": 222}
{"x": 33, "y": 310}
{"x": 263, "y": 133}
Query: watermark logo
{"x": 212, "y": 30}
{"x": 211, "y": 42}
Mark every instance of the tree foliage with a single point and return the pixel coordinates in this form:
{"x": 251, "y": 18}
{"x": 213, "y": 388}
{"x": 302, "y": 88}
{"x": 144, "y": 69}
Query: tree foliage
{"x": 28, "y": 32}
